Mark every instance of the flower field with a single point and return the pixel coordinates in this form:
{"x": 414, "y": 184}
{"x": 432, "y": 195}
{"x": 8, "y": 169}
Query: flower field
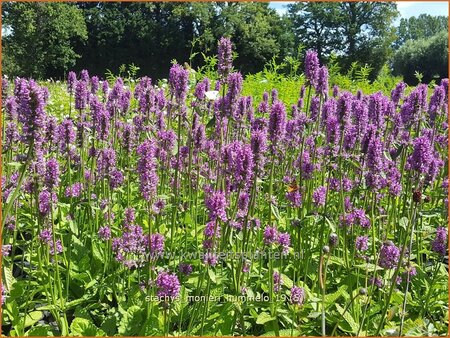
{"x": 188, "y": 209}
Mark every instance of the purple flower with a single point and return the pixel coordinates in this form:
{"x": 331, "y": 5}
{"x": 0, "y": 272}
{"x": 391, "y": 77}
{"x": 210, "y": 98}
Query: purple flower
{"x": 6, "y": 249}
{"x": 71, "y": 81}
{"x": 94, "y": 84}
{"x": 45, "y": 200}
{"x": 216, "y": 203}
{"x": 65, "y": 134}
{"x": 168, "y": 285}
{"x": 277, "y": 123}
{"x": 129, "y": 217}
{"x": 378, "y": 282}
{"x": 115, "y": 178}
{"x": 185, "y": 269}
{"x": 314, "y": 108}
{"x": 329, "y": 116}
{"x": 358, "y": 216}
{"x": 105, "y": 87}
{"x": 106, "y": 161}
{"x": 258, "y": 145}
{"x": 312, "y": 67}
{"x": 74, "y": 190}
{"x": 397, "y": 93}
{"x": 104, "y": 233}
{"x": 10, "y": 223}
{"x": 4, "y": 296}
{"x": 130, "y": 249}
{"x": 439, "y": 244}
{"x": 59, "y": 247}
{"x": 46, "y": 235}
{"x": 225, "y": 55}
{"x": 297, "y": 295}
{"x": 147, "y": 169}
{"x": 238, "y": 162}
{"x": 322, "y": 81}
{"x": 84, "y": 75}
{"x": 335, "y": 91}
{"x": 212, "y": 230}
{"x": 242, "y": 203}
{"x": 422, "y": 155}
{"x": 30, "y": 108}
{"x": 156, "y": 245}
{"x": 51, "y": 173}
{"x": 285, "y": 241}
{"x": 81, "y": 95}
{"x": 201, "y": 88}
{"x": 333, "y": 240}
{"x": 277, "y": 281}
{"x": 361, "y": 243}
{"x": 319, "y": 196}
{"x": 234, "y": 81}
{"x": 210, "y": 259}
{"x": 158, "y": 206}
{"x": 246, "y": 266}
{"x": 270, "y": 235}
{"x": 178, "y": 82}
{"x": 100, "y": 119}
{"x": 295, "y": 198}
{"x": 389, "y": 255}
{"x": 11, "y": 107}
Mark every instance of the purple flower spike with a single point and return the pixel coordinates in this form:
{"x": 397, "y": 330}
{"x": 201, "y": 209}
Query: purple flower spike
{"x": 389, "y": 255}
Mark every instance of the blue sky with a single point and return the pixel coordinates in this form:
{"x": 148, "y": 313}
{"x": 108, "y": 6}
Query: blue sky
{"x": 407, "y": 9}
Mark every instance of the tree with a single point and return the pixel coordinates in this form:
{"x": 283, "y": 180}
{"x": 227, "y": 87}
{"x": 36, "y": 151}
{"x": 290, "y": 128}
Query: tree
{"x": 360, "y": 32}
{"x": 152, "y": 34}
{"x": 314, "y": 26}
{"x": 426, "y": 56}
{"x": 148, "y": 34}
{"x": 257, "y": 31}
{"x": 421, "y": 27}
{"x": 39, "y": 38}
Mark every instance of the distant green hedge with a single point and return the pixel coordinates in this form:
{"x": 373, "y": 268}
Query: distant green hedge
{"x": 430, "y": 56}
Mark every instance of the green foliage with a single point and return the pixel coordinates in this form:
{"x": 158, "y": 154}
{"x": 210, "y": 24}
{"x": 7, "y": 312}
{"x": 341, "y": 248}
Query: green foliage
{"x": 103, "y": 37}
{"x": 152, "y": 34}
{"x": 429, "y": 57}
{"x": 127, "y": 72}
{"x": 357, "y": 78}
{"x": 39, "y": 38}
{"x": 359, "y": 31}
{"x": 420, "y": 27}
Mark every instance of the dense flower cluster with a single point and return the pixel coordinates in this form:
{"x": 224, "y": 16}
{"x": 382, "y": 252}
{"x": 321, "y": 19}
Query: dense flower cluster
{"x": 168, "y": 285}
{"x": 135, "y": 169}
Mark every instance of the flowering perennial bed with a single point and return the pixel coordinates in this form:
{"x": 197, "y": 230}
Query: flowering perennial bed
{"x": 192, "y": 210}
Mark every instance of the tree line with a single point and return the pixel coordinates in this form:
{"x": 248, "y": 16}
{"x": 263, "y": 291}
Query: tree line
{"x": 44, "y": 40}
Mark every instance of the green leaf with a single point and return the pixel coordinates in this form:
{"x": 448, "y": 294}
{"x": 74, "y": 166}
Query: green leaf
{"x": 32, "y": 318}
{"x": 283, "y": 333}
{"x": 287, "y": 281}
{"x": 331, "y": 298}
{"x": 40, "y": 331}
{"x": 349, "y": 319}
{"x": 403, "y": 223}
{"x": 212, "y": 276}
{"x": 211, "y": 122}
{"x": 275, "y": 211}
{"x": 131, "y": 321}
{"x": 263, "y": 318}
{"x": 9, "y": 279}
{"x": 74, "y": 303}
{"x": 82, "y": 327}
{"x": 109, "y": 325}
